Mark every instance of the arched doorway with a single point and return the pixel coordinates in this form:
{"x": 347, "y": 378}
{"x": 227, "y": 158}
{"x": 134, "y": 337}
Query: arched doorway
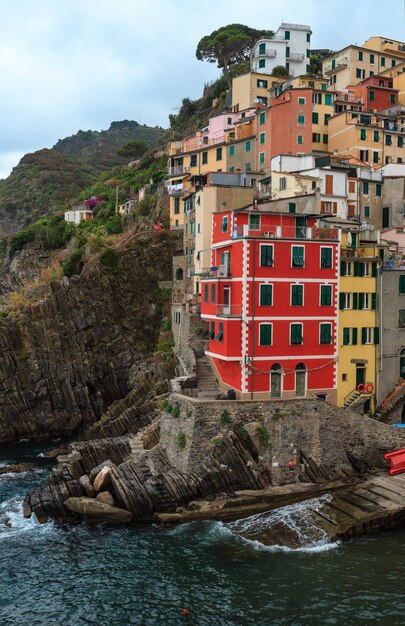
{"x": 402, "y": 363}
{"x": 179, "y": 274}
{"x": 275, "y": 381}
{"x": 300, "y": 380}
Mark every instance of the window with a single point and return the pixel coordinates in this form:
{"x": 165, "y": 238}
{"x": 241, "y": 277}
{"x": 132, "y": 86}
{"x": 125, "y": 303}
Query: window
{"x": 211, "y": 333}
{"x": 333, "y": 64}
{"x": 386, "y": 217}
{"x": 401, "y": 284}
{"x": 300, "y": 140}
{"x": 372, "y": 58}
{"x": 388, "y": 140}
{"x": 266, "y": 256}
{"x": 262, "y": 118}
{"x": 365, "y": 189}
{"x": 296, "y": 334}
{"x": 344, "y": 300}
{"x": 204, "y": 158}
{"x": 224, "y": 225}
{"x": 308, "y": 54}
{"x": 326, "y": 118}
{"x": 213, "y": 293}
{"x": 247, "y": 146}
{"x": 366, "y": 211}
{"x": 316, "y": 137}
{"x": 229, "y": 121}
{"x": 376, "y": 157}
{"x": 220, "y": 335}
{"x": 401, "y": 320}
{"x": 262, "y": 48}
{"x": 265, "y": 334}
{"x": 328, "y": 99}
{"x": 326, "y": 295}
{"x": 283, "y": 183}
{"x": 247, "y": 167}
{"x": 266, "y": 295}
{"x": 360, "y": 55}
{"x": 326, "y": 258}
{"x": 400, "y": 141}
{"x": 308, "y": 37}
{"x": 325, "y": 333}
{"x": 363, "y": 134}
{"x": 301, "y": 100}
{"x": 262, "y": 157}
{"x": 382, "y": 60}
{"x": 297, "y": 256}
{"x": 371, "y": 95}
{"x": 254, "y": 222}
{"x": 315, "y": 118}
{"x": 176, "y": 206}
{"x": 262, "y": 63}
{"x": 231, "y": 151}
{"x": 287, "y": 34}
{"x": 291, "y": 207}
{"x": 349, "y": 336}
{"x": 206, "y": 292}
{"x": 219, "y": 154}
{"x": 324, "y": 138}
{"x": 366, "y": 336}
{"x": 392, "y": 62}
{"x": 317, "y": 98}
{"x": 392, "y": 98}
{"x": 262, "y": 84}
{"x": 363, "y": 155}
{"x": 262, "y": 138}
{"x": 366, "y": 269}
{"x": 301, "y": 120}
{"x": 297, "y": 295}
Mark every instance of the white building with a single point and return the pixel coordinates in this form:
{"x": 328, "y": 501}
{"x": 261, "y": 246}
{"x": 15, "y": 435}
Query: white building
{"x": 290, "y": 47}
{"x": 78, "y": 215}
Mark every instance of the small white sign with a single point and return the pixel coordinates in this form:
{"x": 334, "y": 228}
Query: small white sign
{"x": 275, "y": 464}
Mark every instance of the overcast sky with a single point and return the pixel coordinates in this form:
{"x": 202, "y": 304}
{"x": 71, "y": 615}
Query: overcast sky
{"x": 67, "y": 65}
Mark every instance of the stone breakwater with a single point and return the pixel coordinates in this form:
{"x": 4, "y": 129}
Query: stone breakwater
{"x": 191, "y": 459}
{"x": 75, "y": 347}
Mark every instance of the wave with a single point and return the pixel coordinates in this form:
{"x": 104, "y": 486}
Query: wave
{"x": 13, "y": 522}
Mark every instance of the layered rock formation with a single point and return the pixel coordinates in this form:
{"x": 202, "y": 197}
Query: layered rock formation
{"x": 80, "y": 344}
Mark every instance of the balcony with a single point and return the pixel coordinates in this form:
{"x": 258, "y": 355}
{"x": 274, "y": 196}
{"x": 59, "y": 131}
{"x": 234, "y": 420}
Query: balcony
{"x": 296, "y": 56}
{"x": 229, "y": 310}
{"x": 178, "y": 170}
{"x": 397, "y": 264}
{"x": 357, "y": 253}
{"x": 339, "y": 65}
{"x": 286, "y": 232}
{"x": 174, "y": 190}
{"x": 220, "y": 271}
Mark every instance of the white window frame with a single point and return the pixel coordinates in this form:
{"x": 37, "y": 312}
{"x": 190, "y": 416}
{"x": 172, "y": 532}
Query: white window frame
{"x": 369, "y": 339}
{"x": 302, "y": 334}
{"x": 320, "y": 255}
{"x": 331, "y": 333}
{"x": 266, "y": 344}
{"x": 260, "y": 221}
{"x": 348, "y": 268}
{"x": 367, "y": 269}
{"x": 283, "y": 183}
{"x": 268, "y": 245}
{"x": 348, "y": 301}
{"x": 260, "y": 292}
{"x": 367, "y": 301}
{"x": 224, "y": 223}
{"x": 331, "y": 295}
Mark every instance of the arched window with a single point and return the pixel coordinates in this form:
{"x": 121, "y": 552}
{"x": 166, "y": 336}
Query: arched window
{"x": 275, "y": 381}
{"x": 179, "y": 274}
{"x": 300, "y": 380}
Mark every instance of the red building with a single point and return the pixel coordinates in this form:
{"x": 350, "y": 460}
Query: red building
{"x": 376, "y": 93}
{"x": 271, "y": 304}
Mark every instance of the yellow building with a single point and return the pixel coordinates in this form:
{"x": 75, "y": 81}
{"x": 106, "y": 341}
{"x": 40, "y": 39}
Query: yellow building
{"x": 358, "y": 331}
{"x": 250, "y": 89}
{"x": 386, "y": 46}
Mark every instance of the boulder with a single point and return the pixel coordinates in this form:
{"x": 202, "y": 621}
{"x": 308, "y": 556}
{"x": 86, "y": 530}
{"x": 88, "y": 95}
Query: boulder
{"x": 16, "y": 468}
{"x": 102, "y": 479}
{"x": 87, "y": 486}
{"x": 93, "y": 511}
{"x": 106, "y": 497}
{"x": 97, "y": 470}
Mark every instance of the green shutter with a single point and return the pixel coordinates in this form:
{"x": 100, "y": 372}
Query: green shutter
{"x": 213, "y": 293}
{"x": 373, "y": 300}
{"x": 342, "y": 300}
{"x": 376, "y": 335}
{"x": 315, "y": 118}
{"x": 402, "y": 284}
{"x": 298, "y": 256}
{"x": 374, "y": 269}
{"x": 326, "y": 333}
{"x": 206, "y": 292}
{"x": 296, "y": 333}
{"x": 342, "y": 268}
{"x": 326, "y": 295}
{"x": 346, "y": 336}
{"x": 363, "y": 335}
{"x": 291, "y": 207}
{"x": 354, "y": 336}
{"x": 361, "y": 300}
{"x": 231, "y": 150}
{"x": 361, "y": 268}
{"x": 356, "y": 269}
{"x": 326, "y": 257}
{"x": 266, "y": 256}
{"x": 355, "y": 301}
{"x": 297, "y": 295}
{"x": 266, "y": 295}
{"x": 265, "y": 334}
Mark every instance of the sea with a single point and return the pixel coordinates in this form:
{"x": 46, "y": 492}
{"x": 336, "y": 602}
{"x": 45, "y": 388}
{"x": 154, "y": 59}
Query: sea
{"x": 200, "y": 573}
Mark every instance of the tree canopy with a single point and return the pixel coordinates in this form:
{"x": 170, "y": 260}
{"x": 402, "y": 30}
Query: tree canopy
{"x": 229, "y": 46}
{"x": 134, "y": 149}
{"x": 280, "y": 71}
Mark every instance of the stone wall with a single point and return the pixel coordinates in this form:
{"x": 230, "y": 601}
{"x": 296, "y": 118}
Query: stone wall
{"x": 315, "y": 428}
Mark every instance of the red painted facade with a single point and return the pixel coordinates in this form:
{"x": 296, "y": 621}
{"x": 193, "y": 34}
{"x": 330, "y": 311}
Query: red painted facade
{"x": 377, "y": 93}
{"x": 271, "y": 271}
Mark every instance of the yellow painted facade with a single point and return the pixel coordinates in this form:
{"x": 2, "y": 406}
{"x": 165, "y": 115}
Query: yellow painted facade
{"x": 249, "y": 89}
{"x": 358, "y": 333}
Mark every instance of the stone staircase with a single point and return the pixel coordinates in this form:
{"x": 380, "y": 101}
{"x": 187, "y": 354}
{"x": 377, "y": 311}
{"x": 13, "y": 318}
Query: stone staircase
{"x": 392, "y": 400}
{"x": 352, "y": 398}
{"x": 206, "y": 382}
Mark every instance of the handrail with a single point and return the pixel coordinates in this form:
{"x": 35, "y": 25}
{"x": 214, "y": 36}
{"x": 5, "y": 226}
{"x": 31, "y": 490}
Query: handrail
{"x": 396, "y": 391}
{"x": 361, "y": 393}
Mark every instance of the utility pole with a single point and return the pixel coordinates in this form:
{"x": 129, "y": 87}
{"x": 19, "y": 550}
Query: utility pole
{"x": 116, "y": 199}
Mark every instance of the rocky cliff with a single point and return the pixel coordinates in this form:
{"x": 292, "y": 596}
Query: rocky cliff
{"x": 78, "y": 344}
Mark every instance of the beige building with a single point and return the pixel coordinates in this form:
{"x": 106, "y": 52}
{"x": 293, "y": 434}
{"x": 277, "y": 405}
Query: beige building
{"x": 250, "y": 89}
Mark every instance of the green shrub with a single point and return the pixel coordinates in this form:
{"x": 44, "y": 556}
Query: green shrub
{"x": 110, "y": 258}
{"x": 176, "y": 411}
{"x": 218, "y": 442}
{"x": 166, "y": 345}
{"x": 226, "y": 417}
{"x": 242, "y": 433}
{"x": 166, "y": 406}
{"x": 181, "y": 440}
{"x": 263, "y": 435}
{"x": 74, "y": 264}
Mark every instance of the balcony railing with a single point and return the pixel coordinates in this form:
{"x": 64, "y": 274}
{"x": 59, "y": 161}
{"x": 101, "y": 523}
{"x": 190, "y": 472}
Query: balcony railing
{"x": 296, "y": 56}
{"x": 395, "y": 264}
{"x": 174, "y": 190}
{"x": 220, "y": 271}
{"x": 338, "y": 66}
{"x": 286, "y": 232}
{"x": 177, "y": 170}
{"x": 229, "y": 310}
{"x": 356, "y": 253}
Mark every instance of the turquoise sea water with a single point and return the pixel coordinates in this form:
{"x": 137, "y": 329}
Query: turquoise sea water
{"x": 76, "y": 576}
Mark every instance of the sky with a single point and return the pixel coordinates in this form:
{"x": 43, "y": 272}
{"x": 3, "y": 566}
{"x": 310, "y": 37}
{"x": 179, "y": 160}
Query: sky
{"x": 69, "y": 65}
